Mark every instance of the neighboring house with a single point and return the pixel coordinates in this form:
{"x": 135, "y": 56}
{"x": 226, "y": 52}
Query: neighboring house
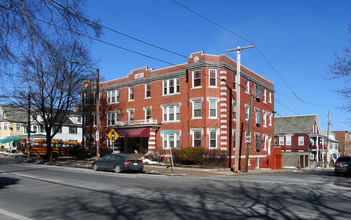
{"x": 333, "y": 148}
{"x": 184, "y": 105}
{"x": 344, "y": 138}
{"x": 12, "y": 119}
{"x": 301, "y": 140}
{"x": 71, "y": 129}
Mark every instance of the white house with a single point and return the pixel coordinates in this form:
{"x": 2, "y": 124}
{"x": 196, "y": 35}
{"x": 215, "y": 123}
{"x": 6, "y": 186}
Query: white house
{"x": 333, "y": 148}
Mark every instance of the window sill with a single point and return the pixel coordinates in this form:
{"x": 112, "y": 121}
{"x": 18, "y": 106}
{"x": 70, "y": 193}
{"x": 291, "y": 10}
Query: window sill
{"x": 198, "y": 87}
{"x": 147, "y": 98}
{"x": 212, "y": 87}
{"x": 171, "y": 121}
{"x": 196, "y": 118}
{"x": 165, "y": 95}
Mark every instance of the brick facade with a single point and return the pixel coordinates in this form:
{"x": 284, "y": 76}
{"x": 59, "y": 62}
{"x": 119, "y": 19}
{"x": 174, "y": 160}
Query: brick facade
{"x": 183, "y": 105}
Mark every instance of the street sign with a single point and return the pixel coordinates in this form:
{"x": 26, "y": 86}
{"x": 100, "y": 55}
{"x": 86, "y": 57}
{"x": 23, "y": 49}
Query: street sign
{"x": 167, "y": 131}
{"x": 112, "y": 135}
{"x": 247, "y": 139}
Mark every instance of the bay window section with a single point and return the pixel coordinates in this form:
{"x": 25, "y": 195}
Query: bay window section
{"x": 213, "y": 78}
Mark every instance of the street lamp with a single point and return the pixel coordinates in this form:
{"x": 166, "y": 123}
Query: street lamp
{"x": 97, "y": 136}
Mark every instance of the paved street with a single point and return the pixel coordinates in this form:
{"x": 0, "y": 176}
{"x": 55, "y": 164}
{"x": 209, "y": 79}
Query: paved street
{"x": 32, "y": 191}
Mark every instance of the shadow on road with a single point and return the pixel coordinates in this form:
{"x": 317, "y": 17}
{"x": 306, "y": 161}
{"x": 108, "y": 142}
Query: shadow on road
{"x": 5, "y": 181}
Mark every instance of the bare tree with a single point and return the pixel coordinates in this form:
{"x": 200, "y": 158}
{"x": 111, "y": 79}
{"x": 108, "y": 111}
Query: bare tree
{"x": 26, "y": 23}
{"x": 341, "y": 68}
{"x": 54, "y": 82}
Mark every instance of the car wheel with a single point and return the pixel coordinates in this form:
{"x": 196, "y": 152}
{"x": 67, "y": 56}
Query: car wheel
{"x": 95, "y": 167}
{"x": 117, "y": 169}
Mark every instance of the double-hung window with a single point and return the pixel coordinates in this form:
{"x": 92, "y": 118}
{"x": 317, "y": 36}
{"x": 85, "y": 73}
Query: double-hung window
{"x": 301, "y": 140}
{"x": 264, "y": 96}
{"x": 131, "y": 94}
{"x": 270, "y": 97}
{"x": 171, "y": 86}
{"x": 86, "y": 98}
{"x": 258, "y": 142}
{"x": 148, "y": 90}
{"x": 171, "y": 113}
{"x": 130, "y": 114}
{"x": 171, "y": 140}
{"x": 258, "y": 117}
{"x": 112, "y": 96}
{"x": 6, "y": 126}
{"x": 264, "y": 113}
{"x": 288, "y": 140}
{"x": 197, "y": 108}
{"x": 247, "y": 86}
{"x": 247, "y": 112}
{"x": 147, "y": 112}
{"x": 281, "y": 141}
{"x": 258, "y": 92}
{"x": 234, "y": 110}
{"x": 213, "y": 140}
{"x": 18, "y": 127}
{"x": 197, "y": 137}
{"x": 112, "y": 118}
{"x": 197, "y": 79}
{"x": 73, "y": 130}
{"x": 213, "y": 108}
{"x": 213, "y": 78}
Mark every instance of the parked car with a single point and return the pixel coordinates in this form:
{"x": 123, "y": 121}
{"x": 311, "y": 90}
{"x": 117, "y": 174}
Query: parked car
{"x": 343, "y": 165}
{"x": 118, "y": 163}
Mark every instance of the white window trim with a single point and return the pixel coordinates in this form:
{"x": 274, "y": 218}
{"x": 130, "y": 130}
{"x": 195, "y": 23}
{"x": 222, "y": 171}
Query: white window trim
{"x": 192, "y": 130}
{"x": 146, "y": 97}
{"x": 209, "y": 77}
{"x": 247, "y": 86}
{"x": 129, "y": 91}
{"x": 257, "y": 110}
{"x": 209, "y": 130}
{"x": 264, "y": 95}
{"x": 196, "y": 87}
{"x": 303, "y": 141}
{"x": 270, "y": 97}
{"x": 270, "y": 119}
{"x": 279, "y": 141}
{"x": 264, "y": 118}
{"x": 145, "y": 109}
{"x": 109, "y": 95}
{"x": 86, "y": 98}
{"x": 234, "y": 108}
{"x": 175, "y": 86}
{"x": 176, "y": 134}
{"x": 193, "y": 100}
{"x": 166, "y": 108}
{"x": 129, "y": 111}
{"x": 209, "y": 99}
{"x": 288, "y": 140}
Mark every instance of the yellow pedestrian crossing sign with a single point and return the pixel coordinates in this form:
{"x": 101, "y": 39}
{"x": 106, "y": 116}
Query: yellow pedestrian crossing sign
{"x": 113, "y": 135}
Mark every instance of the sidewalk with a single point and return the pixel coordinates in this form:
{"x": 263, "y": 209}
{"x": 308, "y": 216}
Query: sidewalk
{"x": 206, "y": 172}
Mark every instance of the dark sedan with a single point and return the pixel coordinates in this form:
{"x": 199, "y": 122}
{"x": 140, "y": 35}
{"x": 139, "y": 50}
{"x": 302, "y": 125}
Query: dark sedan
{"x": 343, "y": 165}
{"x": 118, "y": 163}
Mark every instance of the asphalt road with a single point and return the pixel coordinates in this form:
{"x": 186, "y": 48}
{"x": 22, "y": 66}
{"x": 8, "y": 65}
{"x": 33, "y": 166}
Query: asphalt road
{"x": 31, "y": 191}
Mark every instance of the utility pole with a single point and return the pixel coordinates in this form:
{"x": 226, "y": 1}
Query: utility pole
{"x": 97, "y": 135}
{"x": 249, "y": 132}
{"x": 237, "y": 88}
{"x": 98, "y": 113}
{"x": 28, "y": 127}
{"x": 326, "y": 149}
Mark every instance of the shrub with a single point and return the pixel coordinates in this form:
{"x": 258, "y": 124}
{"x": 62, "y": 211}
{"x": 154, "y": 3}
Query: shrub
{"x": 176, "y": 153}
{"x": 215, "y": 157}
{"x": 192, "y": 155}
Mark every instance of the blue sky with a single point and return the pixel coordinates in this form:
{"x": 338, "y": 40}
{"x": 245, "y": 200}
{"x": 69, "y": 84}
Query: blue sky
{"x": 299, "y": 38}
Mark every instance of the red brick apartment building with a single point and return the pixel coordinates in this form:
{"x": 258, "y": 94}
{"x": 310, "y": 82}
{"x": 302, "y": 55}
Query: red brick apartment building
{"x": 184, "y": 105}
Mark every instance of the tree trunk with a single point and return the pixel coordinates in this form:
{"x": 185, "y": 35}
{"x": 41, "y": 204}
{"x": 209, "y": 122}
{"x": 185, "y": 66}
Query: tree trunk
{"x": 49, "y": 149}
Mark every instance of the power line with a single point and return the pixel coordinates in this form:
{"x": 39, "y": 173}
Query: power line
{"x": 260, "y": 52}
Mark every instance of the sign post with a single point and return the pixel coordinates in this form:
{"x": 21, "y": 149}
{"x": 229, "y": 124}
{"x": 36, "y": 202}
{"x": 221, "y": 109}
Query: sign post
{"x": 170, "y": 148}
